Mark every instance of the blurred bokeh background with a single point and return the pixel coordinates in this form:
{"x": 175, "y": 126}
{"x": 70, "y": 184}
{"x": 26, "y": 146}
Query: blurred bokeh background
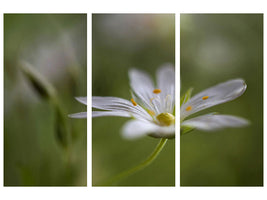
{"x": 120, "y": 42}
{"x": 35, "y": 127}
{"x": 215, "y": 48}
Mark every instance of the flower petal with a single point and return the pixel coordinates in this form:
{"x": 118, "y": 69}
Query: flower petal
{"x": 135, "y": 129}
{"x": 166, "y": 78}
{"x": 215, "y": 95}
{"x": 82, "y": 100}
{"x": 110, "y": 113}
{"x": 213, "y": 122}
{"x": 79, "y": 115}
{"x": 166, "y": 83}
{"x": 121, "y": 105}
{"x": 142, "y": 85}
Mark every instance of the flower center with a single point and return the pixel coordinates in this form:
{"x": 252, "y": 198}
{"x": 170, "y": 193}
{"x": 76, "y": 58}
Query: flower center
{"x": 166, "y": 119}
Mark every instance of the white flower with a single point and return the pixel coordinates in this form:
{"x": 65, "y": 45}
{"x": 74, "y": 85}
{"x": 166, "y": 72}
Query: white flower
{"x": 215, "y": 95}
{"x": 82, "y": 100}
{"x": 152, "y": 107}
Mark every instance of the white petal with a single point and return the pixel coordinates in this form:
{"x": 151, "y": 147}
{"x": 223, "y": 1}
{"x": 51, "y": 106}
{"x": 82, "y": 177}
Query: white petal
{"x": 213, "y": 122}
{"x": 135, "y": 129}
{"x": 218, "y": 94}
{"x": 110, "y": 113}
{"x": 118, "y": 104}
{"x": 142, "y": 85}
{"x": 82, "y": 100}
{"x": 79, "y": 115}
{"x": 166, "y": 82}
{"x": 164, "y": 132}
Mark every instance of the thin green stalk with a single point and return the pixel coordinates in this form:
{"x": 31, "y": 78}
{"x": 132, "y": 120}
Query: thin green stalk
{"x": 47, "y": 91}
{"x": 144, "y": 164}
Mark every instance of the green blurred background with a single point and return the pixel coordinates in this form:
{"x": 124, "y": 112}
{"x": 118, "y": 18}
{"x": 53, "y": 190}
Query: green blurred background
{"x": 55, "y": 46}
{"x": 215, "y": 48}
{"x": 120, "y": 42}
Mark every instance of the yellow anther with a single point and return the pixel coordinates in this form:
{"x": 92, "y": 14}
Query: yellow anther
{"x": 157, "y": 91}
{"x": 134, "y": 103}
{"x": 151, "y": 112}
{"x": 166, "y": 119}
{"x": 205, "y": 97}
{"x": 188, "y": 108}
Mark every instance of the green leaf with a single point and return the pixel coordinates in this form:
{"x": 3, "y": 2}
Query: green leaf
{"x": 186, "y": 96}
{"x": 186, "y": 129}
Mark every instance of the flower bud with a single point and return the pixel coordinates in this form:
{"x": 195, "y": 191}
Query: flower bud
{"x": 38, "y": 82}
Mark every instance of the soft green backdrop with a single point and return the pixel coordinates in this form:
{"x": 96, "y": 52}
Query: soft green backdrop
{"x": 122, "y": 41}
{"x": 216, "y": 48}
{"x": 55, "y": 46}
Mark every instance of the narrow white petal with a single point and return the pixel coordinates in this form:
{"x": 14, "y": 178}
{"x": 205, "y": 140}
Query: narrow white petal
{"x": 164, "y": 132}
{"x": 110, "y": 113}
{"x": 79, "y": 115}
{"x": 215, "y": 95}
{"x": 119, "y": 104}
{"x": 212, "y": 122}
{"x": 166, "y": 77}
{"x": 135, "y": 129}
{"x": 142, "y": 85}
{"x": 166, "y": 83}
{"x": 82, "y": 100}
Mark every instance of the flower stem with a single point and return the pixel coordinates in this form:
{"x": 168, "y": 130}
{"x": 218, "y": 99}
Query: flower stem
{"x": 142, "y": 165}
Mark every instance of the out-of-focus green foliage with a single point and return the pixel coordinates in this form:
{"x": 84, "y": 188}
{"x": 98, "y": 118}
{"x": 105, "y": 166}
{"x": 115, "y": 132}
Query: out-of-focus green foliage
{"x": 42, "y": 146}
{"x": 216, "y": 48}
{"x": 120, "y": 42}
{"x": 186, "y": 96}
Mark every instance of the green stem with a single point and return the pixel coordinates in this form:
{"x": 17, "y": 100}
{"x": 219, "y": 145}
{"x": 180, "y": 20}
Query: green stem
{"x": 142, "y": 165}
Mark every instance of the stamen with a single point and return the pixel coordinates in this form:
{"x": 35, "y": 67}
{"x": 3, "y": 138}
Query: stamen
{"x": 188, "y": 108}
{"x": 168, "y": 103}
{"x": 157, "y": 91}
{"x": 168, "y": 96}
{"x": 151, "y": 112}
{"x": 205, "y": 97}
{"x": 151, "y": 99}
{"x": 133, "y": 102}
